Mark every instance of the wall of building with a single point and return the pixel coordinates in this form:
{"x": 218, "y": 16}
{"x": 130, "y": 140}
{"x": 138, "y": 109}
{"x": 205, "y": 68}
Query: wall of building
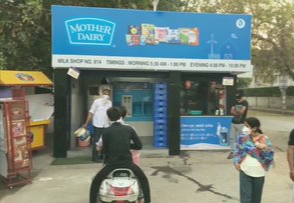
{"x": 270, "y": 102}
{"x": 144, "y": 129}
{"x": 77, "y": 106}
{"x": 260, "y": 81}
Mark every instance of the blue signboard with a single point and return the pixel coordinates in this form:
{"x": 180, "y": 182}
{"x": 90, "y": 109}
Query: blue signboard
{"x": 205, "y": 132}
{"x": 116, "y": 38}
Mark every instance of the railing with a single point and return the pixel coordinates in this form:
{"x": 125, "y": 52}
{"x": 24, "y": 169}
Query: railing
{"x": 270, "y": 102}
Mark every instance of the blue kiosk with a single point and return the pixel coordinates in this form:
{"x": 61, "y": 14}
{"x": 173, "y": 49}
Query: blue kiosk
{"x": 175, "y": 72}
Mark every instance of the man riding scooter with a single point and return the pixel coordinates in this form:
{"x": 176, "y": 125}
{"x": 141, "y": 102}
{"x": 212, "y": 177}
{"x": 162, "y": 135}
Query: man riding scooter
{"x": 118, "y": 140}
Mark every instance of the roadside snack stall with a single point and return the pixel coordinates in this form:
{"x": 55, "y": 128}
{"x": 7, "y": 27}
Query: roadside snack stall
{"x": 175, "y": 72}
{"x": 20, "y": 85}
{"x": 15, "y": 147}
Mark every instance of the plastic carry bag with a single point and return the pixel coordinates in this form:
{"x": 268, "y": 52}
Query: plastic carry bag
{"x": 136, "y": 156}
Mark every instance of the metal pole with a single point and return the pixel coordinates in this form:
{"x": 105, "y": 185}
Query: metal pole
{"x": 155, "y": 3}
{"x": 284, "y": 106}
{"x": 283, "y": 83}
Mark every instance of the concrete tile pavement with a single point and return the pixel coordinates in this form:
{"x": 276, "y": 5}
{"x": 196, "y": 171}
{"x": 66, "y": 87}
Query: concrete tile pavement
{"x": 288, "y": 111}
{"x": 204, "y": 177}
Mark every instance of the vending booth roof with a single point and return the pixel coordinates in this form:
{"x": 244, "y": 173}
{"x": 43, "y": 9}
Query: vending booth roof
{"x": 24, "y": 78}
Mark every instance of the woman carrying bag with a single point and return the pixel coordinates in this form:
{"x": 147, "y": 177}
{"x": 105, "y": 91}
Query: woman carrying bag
{"x": 253, "y": 156}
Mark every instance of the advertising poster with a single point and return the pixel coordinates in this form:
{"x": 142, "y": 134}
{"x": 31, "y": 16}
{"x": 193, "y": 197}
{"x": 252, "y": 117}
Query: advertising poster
{"x": 127, "y": 101}
{"x": 18, "y": 147}
{"x": 2, "y": 131}
{"x": 21, "y": 156}
{"x": 147, "y": 40}
{"x": 205, "y": 132}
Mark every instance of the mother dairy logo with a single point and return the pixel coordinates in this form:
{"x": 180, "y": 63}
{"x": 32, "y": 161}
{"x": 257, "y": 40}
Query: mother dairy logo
{"x": 90, "y": 31}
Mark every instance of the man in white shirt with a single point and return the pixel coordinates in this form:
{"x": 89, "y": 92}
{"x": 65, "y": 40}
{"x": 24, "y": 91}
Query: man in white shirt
{"x": 97, "y": 114}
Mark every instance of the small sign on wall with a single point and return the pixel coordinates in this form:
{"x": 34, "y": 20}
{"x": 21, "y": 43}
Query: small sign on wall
{"x": 127, "y": 101}
{"x": 228, "y": 81}
{"x": 73, "y": 72}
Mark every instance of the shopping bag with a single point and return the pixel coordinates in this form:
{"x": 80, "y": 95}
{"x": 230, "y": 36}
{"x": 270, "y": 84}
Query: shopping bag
{"x": 136, "y": 156}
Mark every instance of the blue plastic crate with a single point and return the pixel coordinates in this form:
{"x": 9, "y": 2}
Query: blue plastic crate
{"x": 162, "y": 109}
{"x": 163, "y": 89}
{"x": 160, "y": 144}
{"x": 160, "y": 103}
{"x": 160, "y": 139}
{"x": 159, "y": 134}
{"x": 159, "y": 90}
{"x": 160, "y": 85}
{"x": 160, "y": 126}
{"x": 160, "y": 115}
{"x": 161, "y": 121}
{"x": 160, "y": 131}
{"x": 160, "y": 97}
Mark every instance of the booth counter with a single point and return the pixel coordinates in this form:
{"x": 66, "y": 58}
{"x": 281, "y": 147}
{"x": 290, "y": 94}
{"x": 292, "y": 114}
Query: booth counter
{"x": 205, "y": 132}
{"x": 38, "y": 131}
{"x": 41, "y": 109}
{"x": 204, "y": 123}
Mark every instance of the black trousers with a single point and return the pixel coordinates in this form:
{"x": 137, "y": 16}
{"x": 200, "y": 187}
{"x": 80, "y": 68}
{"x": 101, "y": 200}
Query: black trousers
{"x": 101, "y": 175}
{"x": 250, "y": 188}
{"x": 97, "y": 134}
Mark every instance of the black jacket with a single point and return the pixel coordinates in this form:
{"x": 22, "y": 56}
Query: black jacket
{"x": 118, "y": 140}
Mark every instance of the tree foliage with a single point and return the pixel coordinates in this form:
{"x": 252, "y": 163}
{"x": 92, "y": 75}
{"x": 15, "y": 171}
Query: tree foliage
{"x": 25, "y": 29}
{"x": 25, "y": 35}
{"x": 272, "y": 31}
{"x": 243, "y": 82}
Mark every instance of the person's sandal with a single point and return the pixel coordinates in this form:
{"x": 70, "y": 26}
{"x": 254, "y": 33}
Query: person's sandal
{"x": 230, "y": 156}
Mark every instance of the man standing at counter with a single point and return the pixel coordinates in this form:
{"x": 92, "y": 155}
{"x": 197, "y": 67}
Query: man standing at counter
{"x": 239, "y": 111}
{"x": 98, "y": 116}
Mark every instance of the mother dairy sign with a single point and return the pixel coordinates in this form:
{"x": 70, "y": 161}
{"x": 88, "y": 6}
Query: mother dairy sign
{"x": 91, "y": 31}
{"x": 146, "y": 40}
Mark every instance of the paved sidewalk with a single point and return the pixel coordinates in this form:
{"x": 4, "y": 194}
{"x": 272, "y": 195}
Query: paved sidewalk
{"x": 272, "y": 110}
{"x": 197, "y": 176}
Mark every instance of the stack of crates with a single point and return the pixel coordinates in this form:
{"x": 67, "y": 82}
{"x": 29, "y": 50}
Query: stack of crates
{"x": 160, "y": 115}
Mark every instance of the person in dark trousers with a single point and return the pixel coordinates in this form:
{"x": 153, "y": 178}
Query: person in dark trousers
{"x": 290, "y": 157}
{"x": 290, "y": 154}
{"x": 253, "y": 156}
{"x": 239, "y": 112}
{"x": 118, "y": 140}
{"x": 97, "y": 115}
